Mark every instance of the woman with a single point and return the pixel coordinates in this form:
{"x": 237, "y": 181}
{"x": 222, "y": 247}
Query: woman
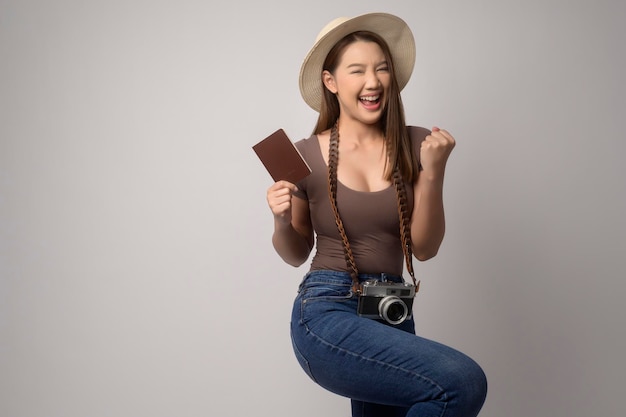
{"x": 373, "y": 198}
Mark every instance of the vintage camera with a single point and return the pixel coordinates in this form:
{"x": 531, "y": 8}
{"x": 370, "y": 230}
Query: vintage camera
{"x": 389, "y": 301}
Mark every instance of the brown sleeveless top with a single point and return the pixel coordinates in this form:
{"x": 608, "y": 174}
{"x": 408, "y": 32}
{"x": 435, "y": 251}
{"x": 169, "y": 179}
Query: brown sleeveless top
{"x": 370, "y": 218}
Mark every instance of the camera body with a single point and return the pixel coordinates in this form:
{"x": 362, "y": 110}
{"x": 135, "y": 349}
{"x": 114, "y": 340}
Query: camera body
{"x": 389, "y": 301}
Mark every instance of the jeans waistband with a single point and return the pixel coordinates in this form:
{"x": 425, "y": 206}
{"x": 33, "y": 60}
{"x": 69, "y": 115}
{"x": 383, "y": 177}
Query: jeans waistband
{"x": 344, "y": 278}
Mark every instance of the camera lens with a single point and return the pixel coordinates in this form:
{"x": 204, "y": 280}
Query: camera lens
{"x": 393, "y": 310}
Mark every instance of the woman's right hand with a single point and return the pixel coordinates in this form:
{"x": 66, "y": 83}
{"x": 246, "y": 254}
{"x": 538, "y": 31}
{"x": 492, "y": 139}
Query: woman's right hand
{"x": 279, "y": 200}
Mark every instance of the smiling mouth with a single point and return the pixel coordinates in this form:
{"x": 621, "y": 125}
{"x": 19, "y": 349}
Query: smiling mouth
{"x": 370, "y": 100}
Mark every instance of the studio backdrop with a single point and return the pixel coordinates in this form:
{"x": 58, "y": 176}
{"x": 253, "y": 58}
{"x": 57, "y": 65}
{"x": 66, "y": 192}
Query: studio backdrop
{"x": 137, "y": 275}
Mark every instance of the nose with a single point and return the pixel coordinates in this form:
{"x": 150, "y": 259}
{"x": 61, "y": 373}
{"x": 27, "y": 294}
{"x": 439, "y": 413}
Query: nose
{"x": 372, "y": 81}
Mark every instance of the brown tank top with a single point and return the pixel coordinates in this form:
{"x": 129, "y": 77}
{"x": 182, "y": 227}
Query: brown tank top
{"x": 370, "y": 218}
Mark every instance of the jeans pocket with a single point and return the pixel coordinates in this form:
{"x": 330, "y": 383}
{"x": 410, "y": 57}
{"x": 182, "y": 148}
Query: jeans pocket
{"x": 321, "y": 298}
{"x": 325, "y": 292}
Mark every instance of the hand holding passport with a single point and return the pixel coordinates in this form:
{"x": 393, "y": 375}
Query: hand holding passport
{"x": 281, "y": 158}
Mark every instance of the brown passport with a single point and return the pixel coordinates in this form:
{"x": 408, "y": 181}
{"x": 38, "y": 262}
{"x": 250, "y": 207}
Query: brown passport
{"x": 281, "y": 158}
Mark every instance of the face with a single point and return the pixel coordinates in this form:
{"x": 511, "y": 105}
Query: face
{"x": 360, "y": 82}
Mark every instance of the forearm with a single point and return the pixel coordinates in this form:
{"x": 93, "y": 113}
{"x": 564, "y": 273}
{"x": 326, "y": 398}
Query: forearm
{"x": 428, "y": 221}
{"x": 290, "y": 245}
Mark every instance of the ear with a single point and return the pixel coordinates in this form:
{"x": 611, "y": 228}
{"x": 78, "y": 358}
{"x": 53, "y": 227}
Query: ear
{"x": 329, "y": 81}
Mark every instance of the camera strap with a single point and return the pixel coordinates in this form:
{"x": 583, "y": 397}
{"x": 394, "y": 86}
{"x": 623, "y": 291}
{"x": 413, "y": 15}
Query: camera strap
{"x": 403, "y": 213}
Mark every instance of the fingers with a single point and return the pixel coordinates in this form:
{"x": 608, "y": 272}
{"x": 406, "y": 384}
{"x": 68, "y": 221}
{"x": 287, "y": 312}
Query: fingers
{"x": 279, "y": 197}
{"x": 281, "y": 190}
{"x": 283, "y": 184}
{"x": 435, "y": 150}
{"x": 442, "y": 136}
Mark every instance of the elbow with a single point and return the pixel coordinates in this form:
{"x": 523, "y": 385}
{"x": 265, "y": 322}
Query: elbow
{"x": 295, "y": 258}
{"x": 424, "y": 256}
{"x": 294, "y": 262}
{"x": 428, "y": 249}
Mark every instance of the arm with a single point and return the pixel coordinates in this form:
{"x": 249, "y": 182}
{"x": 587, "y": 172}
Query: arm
{"x": 293, "y": 232}
{"x": 428, "y": 221}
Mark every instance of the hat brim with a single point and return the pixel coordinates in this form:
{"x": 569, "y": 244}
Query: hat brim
{"x": 391, "y": 28}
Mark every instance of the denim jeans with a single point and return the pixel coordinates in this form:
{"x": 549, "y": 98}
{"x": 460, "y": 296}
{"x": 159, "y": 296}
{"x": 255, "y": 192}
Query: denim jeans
{"x": 385, "y": 370}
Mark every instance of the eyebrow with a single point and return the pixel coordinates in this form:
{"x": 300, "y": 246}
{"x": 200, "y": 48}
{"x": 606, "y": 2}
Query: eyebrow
{"x": 364, "y": 65}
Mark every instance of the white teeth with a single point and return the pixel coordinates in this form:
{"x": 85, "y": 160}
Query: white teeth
{"x": 370, "y": 98}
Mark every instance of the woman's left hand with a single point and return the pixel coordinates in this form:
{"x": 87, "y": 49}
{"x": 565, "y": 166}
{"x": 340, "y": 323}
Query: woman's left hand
{"x": 435, "y": 150}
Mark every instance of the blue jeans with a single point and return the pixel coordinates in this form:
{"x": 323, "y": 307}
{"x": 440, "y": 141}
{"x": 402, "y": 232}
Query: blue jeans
{"x": 385, "y": 370}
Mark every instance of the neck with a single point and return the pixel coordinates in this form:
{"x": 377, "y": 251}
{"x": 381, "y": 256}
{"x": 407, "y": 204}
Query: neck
{"x": 356, "y": 131}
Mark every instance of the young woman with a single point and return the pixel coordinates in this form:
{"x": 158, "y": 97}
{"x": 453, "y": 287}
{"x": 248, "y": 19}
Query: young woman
{"x": 374, "y": 198}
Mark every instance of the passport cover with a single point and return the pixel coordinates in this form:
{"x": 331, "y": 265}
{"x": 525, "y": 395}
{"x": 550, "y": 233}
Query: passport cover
{"x": 281, "y": 158}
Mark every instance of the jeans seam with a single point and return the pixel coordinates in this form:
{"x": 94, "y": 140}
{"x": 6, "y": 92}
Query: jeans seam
{"x": 443, "y": 394}
{"x": 297, "y": 352}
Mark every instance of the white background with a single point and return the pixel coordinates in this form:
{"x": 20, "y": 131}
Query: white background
{"x": 137, "y": 276}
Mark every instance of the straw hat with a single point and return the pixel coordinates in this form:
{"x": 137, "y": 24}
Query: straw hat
{"x": 391, "y": 28}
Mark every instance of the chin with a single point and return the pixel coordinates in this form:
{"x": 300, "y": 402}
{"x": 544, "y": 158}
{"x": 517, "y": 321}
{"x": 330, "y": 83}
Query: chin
{"x": 371, "y": 119}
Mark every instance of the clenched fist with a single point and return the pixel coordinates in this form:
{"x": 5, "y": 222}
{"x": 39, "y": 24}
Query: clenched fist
{"x": 435, "y": 150}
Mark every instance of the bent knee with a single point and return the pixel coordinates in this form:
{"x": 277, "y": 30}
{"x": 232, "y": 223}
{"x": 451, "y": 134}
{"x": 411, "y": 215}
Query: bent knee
{"x": 471, "y": 388}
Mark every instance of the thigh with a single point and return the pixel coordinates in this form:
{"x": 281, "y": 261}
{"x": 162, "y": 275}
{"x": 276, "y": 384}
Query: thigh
{"x": 367, "y": 360}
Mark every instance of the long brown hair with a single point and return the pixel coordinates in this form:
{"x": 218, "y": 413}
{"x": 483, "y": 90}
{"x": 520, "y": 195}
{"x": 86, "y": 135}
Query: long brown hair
{"x": 391, "y": 123}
